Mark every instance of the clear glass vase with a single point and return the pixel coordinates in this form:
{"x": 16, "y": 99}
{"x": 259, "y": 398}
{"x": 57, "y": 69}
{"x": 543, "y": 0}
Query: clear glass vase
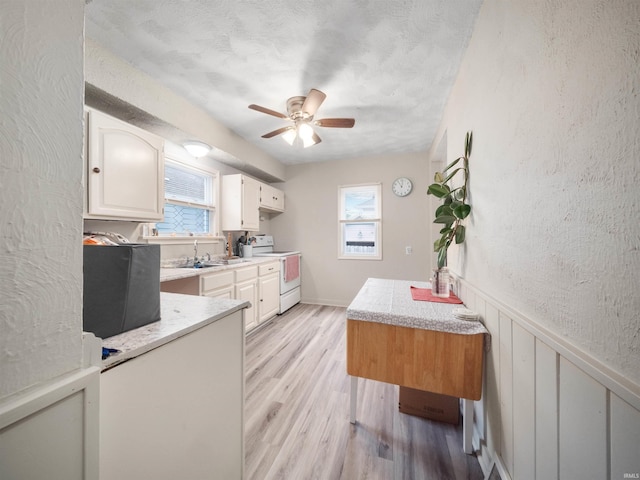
{"x": 440, "y": 282}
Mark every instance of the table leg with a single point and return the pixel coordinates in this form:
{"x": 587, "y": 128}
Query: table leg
{"x": 354, "y": 399}
{"x": 467, "y": 426}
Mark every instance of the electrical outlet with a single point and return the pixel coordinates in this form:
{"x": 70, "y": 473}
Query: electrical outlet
{"x": 408, "y": 250}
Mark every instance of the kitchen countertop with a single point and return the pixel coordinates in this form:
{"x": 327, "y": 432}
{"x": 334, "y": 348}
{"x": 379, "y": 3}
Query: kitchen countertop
{"x": 390, "y": 302}
{"x": 180, "y": 315}
{"x": 167, "y": 274}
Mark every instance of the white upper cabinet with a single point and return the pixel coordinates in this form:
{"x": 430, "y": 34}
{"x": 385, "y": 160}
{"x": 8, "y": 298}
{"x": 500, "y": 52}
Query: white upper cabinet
{"x": 125, "y": 171}
{"x": 240, "y": 200}
{"x": 271, "y": 199}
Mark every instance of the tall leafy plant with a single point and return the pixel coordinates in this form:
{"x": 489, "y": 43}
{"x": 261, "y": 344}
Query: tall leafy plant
{"x": 454, "y": 206}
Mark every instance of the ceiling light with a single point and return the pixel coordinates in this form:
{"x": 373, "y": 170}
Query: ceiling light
{"x": 197, "y": 149}
{"x": 290, "y": 136}
{"x": 305, "y": 131}
{"x": 308, "y": 142}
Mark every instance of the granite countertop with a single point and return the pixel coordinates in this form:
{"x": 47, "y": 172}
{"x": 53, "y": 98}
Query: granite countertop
{"x": 167, "y": 274}
{"x": 390, "y": 302}
{"x": 180, "y": 314}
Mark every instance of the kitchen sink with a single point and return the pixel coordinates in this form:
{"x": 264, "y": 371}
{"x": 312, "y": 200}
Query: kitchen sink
{"x": 202, "y": 265}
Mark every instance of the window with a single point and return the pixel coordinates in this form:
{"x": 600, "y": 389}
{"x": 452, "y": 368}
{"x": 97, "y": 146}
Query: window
{"x": 189, "y": 200}
{"x": 360, "y": 218}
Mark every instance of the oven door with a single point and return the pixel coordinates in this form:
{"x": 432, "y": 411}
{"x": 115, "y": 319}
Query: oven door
{"x": 289, "y": 273}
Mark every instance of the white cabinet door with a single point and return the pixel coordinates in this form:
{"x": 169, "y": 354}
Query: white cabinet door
{"x": 250, "y": 200}
{"x": 240, "y": 199}
{"x": 226, "y": 292}
{"x": 248, "y": 291}
{"x": 218, "y": 285}
{"x": 271, "y": 199}
{"x": 269, "y": 292}
{"x": 125, "y": 171}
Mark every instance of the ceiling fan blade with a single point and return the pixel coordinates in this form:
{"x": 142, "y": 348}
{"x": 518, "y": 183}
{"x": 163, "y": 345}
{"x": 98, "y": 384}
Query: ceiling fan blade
{"x": 267, "y": 111}
{"x": 336, "y": 122}
{"x": 278, "y": 132}
{"x": 313, "y": 101}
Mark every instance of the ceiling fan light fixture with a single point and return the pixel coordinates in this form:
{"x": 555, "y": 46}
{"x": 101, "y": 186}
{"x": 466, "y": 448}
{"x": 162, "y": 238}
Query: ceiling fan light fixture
{"x": 305, "y": 131}
{"x": 290, "y": 136}
{"x": 300, "y": 111}
{"x": 308, "y": 142}
{"x": 196, "y": 149}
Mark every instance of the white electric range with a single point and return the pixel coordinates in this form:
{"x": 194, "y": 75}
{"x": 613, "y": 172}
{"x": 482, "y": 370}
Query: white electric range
{"x": 289, "y": 270}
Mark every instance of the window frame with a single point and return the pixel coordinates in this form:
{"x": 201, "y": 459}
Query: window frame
{"x": 213, "y": 207}
{"x": 342, "y": 222}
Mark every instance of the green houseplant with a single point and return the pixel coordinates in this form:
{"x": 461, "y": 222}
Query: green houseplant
{"x": 454, "y": 208}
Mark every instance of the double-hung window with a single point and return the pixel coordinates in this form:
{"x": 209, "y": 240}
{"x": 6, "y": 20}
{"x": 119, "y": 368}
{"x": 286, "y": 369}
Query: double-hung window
{"x": 190, "y": 200}
{"x": 360, "y": 222}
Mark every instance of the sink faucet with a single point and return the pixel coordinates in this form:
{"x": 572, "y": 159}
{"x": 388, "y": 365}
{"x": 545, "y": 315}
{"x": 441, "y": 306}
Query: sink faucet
{"x": 195, "y": 252}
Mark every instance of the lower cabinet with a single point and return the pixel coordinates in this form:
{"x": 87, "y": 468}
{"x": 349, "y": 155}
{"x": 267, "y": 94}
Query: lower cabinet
{"x": 246, "y": 288}
{"x": 259, "y": 284}
{"x": 217, "y": 285}
{"x": 177, "y": 411}
{"x": 268, "y": 290}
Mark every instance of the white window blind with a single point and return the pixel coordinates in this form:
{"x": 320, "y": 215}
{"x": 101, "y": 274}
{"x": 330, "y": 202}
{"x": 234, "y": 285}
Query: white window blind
{"x": 189, "y": 200}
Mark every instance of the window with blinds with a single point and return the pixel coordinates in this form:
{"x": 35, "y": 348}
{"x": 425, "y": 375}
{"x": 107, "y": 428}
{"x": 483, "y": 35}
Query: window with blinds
{"x": 189, "y": 200}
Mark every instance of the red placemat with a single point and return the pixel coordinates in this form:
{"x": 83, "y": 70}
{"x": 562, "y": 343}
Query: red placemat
{"x": 425, "y": 295}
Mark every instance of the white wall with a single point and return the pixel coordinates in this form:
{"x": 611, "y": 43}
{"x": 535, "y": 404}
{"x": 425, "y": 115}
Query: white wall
{"x": 552, "y": 256}
{"x": 49, "y": 378}
{"x": 550, "y": 90}
{"x": 310, "y": 224}
{"x": 40, "y": 191}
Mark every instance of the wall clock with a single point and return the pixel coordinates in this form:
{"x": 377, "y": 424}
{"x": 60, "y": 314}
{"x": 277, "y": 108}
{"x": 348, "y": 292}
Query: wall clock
{"x": 402, "y": 186}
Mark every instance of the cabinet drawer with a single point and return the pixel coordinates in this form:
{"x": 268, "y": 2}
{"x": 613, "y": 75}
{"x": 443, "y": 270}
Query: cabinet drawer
{"x": 244, "y": 274}
{"x": 268, "y": 268}
{"x": 215, "y": 281}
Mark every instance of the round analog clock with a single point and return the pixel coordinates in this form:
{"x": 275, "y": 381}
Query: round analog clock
{"x": 402, "y": 186}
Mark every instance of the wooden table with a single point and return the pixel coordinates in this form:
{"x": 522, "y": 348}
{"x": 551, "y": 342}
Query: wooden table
{"x": 392, "y": 338}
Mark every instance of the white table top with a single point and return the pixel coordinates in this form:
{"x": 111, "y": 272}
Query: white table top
{"x": 390, "y": 302}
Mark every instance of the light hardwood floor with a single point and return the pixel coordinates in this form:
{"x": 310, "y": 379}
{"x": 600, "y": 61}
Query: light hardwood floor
{"x": 297, "y": 412}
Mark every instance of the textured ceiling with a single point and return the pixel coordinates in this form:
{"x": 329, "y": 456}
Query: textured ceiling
{"x": 389, "y": 64}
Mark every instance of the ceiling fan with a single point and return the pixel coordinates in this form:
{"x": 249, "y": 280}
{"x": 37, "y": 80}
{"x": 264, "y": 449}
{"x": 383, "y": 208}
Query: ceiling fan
{"x": 300, "y": 111}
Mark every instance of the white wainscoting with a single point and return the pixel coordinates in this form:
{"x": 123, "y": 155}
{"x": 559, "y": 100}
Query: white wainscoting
{"x": 51, "y": 430}
{"x": 550, "y": 411}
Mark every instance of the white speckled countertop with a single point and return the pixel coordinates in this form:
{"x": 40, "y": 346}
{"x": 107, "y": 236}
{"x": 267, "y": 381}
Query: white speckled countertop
{"x": 390, "y": 302}
{"x": 180, "y": 314}
{"x": 167, "y": 274}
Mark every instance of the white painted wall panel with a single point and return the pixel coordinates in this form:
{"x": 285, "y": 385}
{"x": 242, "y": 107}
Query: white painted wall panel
{"x": 546, "y": 413}
{"x": 47, "y": 444}
{"x": 583, "y": 425}
{"x": 625, "y": 438}
{"x": 491, "y": 394}
{"x": 523, "y": 349}
{"x": 573, "y": 433}
{"x": 506, "y": 393}
{"x": 479, "y": 413}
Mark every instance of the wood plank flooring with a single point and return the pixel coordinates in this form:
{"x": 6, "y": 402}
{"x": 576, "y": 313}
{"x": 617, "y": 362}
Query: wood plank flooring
{"x": 297, "y": 412}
